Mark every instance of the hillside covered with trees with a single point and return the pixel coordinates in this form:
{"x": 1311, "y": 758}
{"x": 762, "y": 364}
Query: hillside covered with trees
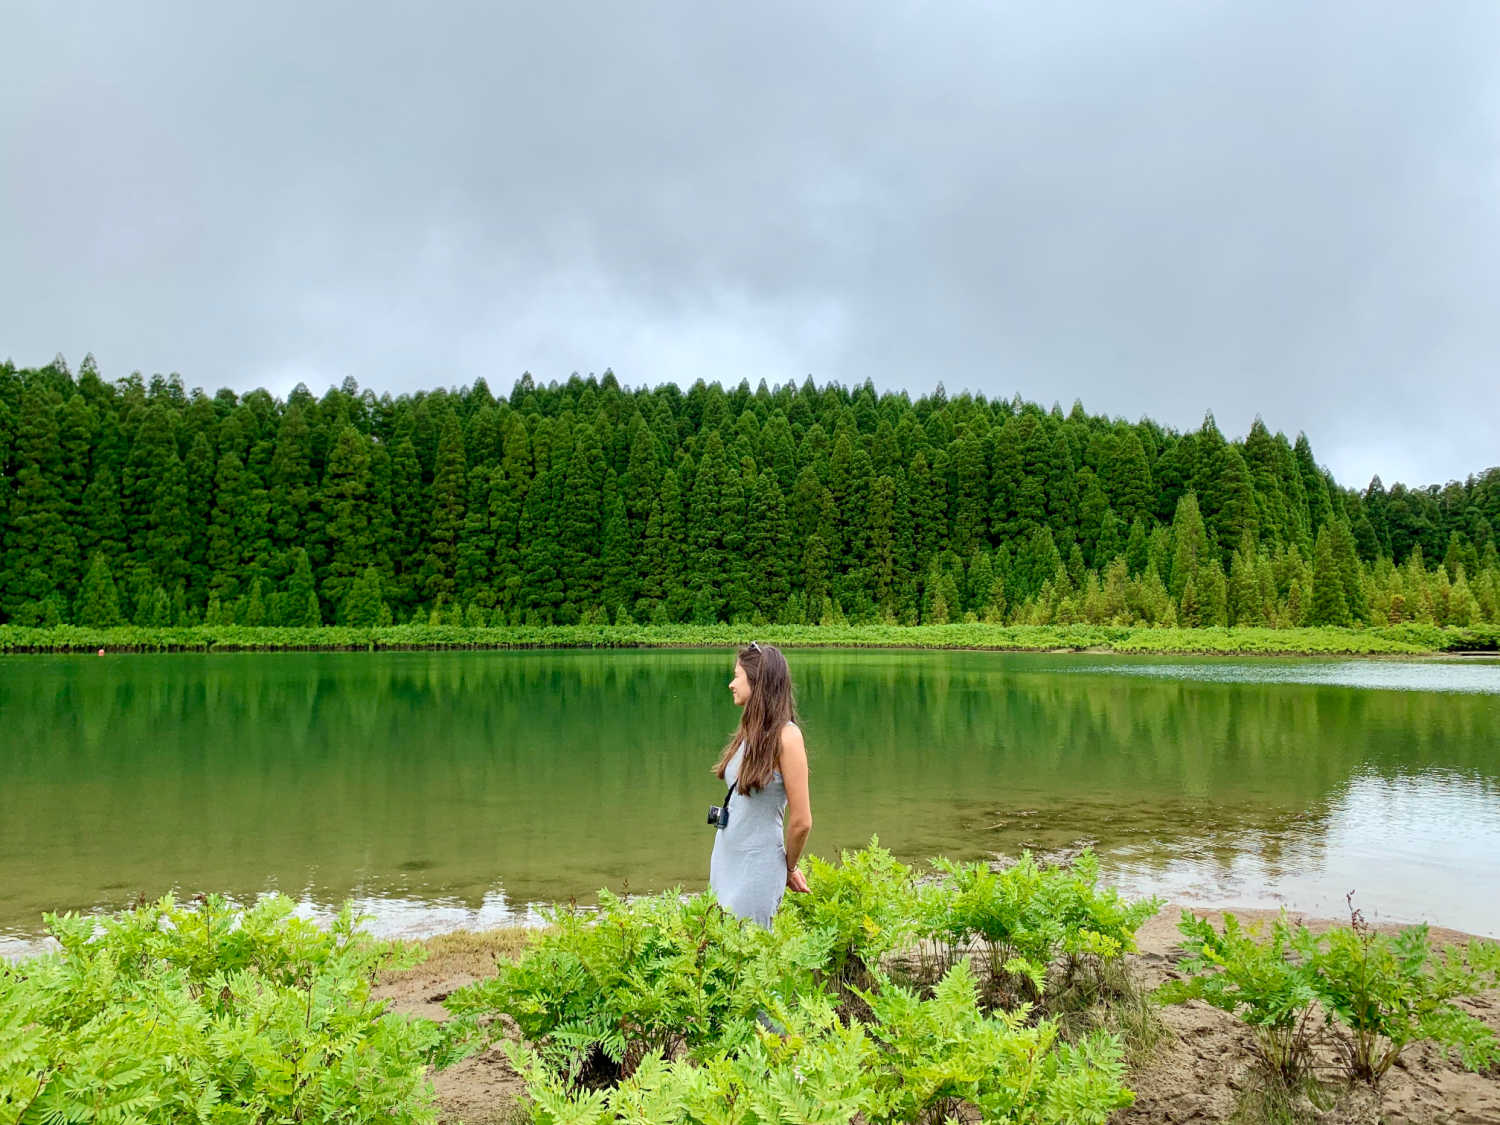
{"x": 137, "y": 501}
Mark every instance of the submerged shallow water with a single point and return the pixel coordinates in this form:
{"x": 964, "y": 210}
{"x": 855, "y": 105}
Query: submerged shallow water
{"x": 463, "y": 789}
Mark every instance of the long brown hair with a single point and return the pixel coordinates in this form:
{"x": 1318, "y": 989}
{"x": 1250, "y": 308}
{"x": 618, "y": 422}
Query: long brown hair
{"x": 771, "y": 706}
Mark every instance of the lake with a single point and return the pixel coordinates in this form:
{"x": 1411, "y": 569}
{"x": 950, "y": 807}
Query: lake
{"x": 463, "y": 789}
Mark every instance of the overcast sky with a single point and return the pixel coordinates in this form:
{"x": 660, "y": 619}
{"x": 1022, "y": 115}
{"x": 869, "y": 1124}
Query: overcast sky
{"x": 1158, "y": 208}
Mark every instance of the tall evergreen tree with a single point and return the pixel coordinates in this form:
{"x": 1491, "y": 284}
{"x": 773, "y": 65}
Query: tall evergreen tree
{"x": 345, "y": 505}
{"x": 1314, "y": 485}
{"x": 929, "y": 512}
{"x": 542, "y": 592}
{"x": 292, "y": 488}
{"x": 1091, "y": 509}
{"x": 1062, "y": 490}
{"x": 815, "y": 577}
{"x": 98, "y": 601}
{"x": 362, "y": 606}
{"x": 76, "y": 437}
{"x": 1235, "y": 515}
{"x": 707, "y": 556}
{"x": 1189, "y": 544}
{"x": 881, "y": 544}
{"x": 1111, "y": 539}
{"x": 302, "y": 608}
{"x": 504, "y": 501}
{"x": 1272, "y": 516}
{"x": 39, "y": 543}
{"x": 768, "y": 544}
{"x": 475, "y": 555}
{"x": 1036, "y": 562}
{"x": 581, "y": 526}
{"x": 102, "y": 528}
{"x": 1329, "y": 605}
{"x": 617, "y": 565}
{"x": 154, "y": 493}
{"x": 409, "y": 518}
{"x": 1137, "y": 550}
{"x": 971, "y": 500}
{"x": 226, "y": 545}
{"x": 439, "y": 568}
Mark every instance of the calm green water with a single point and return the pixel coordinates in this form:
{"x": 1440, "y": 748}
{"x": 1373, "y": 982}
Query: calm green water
{"x": 461, "y": 789}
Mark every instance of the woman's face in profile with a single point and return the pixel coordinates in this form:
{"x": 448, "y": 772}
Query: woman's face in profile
{"x": 739, "y": 687}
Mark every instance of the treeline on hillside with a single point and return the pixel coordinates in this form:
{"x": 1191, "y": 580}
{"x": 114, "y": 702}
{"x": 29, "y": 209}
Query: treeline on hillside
{"x": 139, "y": 502}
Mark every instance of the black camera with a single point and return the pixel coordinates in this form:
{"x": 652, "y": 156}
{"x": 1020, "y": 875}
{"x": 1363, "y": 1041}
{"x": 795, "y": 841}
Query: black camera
{"x": 718, "y": 816}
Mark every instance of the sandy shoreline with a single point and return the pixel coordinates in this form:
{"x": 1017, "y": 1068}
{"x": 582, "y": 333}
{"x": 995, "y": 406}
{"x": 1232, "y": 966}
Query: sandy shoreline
{"x": 1197, "y": 1075}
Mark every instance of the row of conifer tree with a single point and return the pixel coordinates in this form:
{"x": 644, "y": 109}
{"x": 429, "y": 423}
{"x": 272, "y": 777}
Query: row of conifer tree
{"x": 138, "y": 501}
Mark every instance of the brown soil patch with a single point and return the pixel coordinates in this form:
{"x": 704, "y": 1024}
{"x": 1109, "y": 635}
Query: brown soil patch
{"x": 483, "y": 1089}
{"x": 1203, "y": 1072}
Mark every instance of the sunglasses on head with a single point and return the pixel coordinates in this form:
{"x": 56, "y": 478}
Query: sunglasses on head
{"x": 753, "y": 646}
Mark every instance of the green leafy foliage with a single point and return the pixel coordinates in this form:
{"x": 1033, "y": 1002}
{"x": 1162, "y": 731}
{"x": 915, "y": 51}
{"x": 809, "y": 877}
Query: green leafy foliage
{"x": 1378, "y": 993}
{"x": 209, "y": 1014}
{"x": 602, "y": 991}
{"x": 912, "y": 1060}
{"x": 1259, "y": 981}
{"x": 942, "y": 1053}
{"x": 1382, "y": 992}
{"x": 866, "y": 902}
{"x": 818, "y": 1074}
{"x": 666, "y": 1009}
{"x": 1026, "y": 918}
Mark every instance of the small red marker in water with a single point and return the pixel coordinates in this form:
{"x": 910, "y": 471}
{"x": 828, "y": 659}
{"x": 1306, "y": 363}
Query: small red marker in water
{"x": 101, "y": 652}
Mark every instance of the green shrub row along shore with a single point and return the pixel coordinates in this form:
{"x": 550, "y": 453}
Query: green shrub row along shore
{"x": 1394, "y": 639}
{"x": 885, "y": 995}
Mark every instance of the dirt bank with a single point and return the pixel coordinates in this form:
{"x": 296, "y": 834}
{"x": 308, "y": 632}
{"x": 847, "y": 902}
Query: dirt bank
{"x": 1202, "y": 1072}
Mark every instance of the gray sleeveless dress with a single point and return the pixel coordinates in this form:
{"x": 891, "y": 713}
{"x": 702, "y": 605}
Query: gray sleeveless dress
{"x": 748, "y": 868}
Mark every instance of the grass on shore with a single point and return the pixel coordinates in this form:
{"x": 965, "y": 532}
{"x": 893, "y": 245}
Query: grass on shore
{"x": 472, "y": 952}
{"x": 1392, "y": 639}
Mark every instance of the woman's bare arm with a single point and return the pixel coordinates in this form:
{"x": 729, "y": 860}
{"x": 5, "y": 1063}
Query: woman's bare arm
{"x": 798, "y": 805}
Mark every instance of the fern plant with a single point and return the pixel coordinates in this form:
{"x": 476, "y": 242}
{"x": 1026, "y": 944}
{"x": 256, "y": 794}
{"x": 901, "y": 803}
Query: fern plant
{"x": 866, "y": 902}
{"x": 1378, "y": 993}
{"x": 1382, "y": 992}
{"x": 1260, "y": 981}
{"x": 1024, "y": 918}
{"x": 942, "y": 1054}
{"x": 663, "y": 975}
{"x": 166, "y": 1013}
{"x": 818, "y": 1074}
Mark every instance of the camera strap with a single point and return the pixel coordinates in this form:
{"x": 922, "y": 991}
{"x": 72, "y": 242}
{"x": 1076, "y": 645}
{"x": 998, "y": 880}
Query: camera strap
{"x": 727, "y": 794}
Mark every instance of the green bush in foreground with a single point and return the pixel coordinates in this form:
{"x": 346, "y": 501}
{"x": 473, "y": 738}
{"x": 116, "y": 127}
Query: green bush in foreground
{"x": 1026, "y": 919}
{"x": 865, "y": 903}
{"x": 601, "y": 991}
{"x": 1378, "y": 993}
{"x": 1259, "y": 981}
{"x": 659, "y": 1009}
{"x": 1385, "y": 992}
{"x": 912, "y": 1060}
{"x": 208, "y": 1014}
{"x": 941, "y": 1054}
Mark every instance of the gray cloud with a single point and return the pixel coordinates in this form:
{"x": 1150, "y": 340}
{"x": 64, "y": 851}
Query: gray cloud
{"x": 1158, "y": 208}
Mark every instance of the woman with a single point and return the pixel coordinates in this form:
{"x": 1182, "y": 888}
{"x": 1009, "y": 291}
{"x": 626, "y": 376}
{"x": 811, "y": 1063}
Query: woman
{"x": 765, "y": 766}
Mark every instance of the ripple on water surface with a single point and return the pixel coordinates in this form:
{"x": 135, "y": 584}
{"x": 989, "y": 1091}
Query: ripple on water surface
{"x": 1475, "y": 675}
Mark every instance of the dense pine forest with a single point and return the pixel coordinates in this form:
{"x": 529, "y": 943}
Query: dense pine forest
{"x": 137, "y": 501}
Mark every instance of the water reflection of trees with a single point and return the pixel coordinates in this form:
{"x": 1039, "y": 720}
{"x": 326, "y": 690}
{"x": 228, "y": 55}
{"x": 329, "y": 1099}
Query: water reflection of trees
{"x": 443, "y": 773}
